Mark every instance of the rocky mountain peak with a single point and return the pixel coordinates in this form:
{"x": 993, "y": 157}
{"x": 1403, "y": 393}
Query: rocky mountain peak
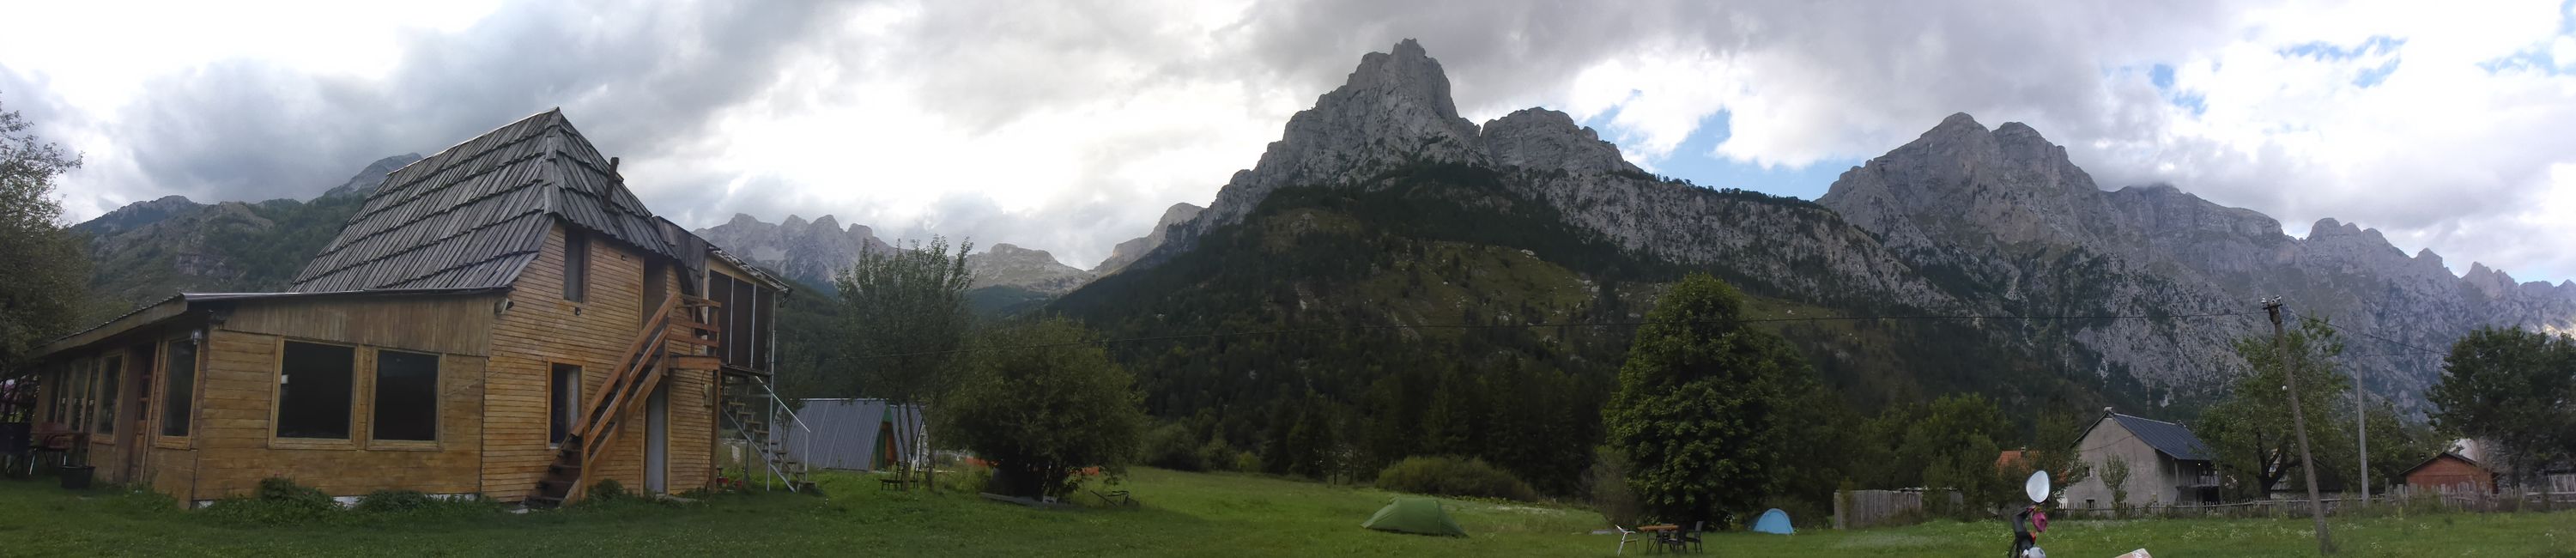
{"x": 801, "y": 250}
{"x": 1539, "y": 138}
{"x": 1961, "y": 184}
{"x": 137, "y": 215}
{"x": 1136, "y": 248}
{"x": 1393, "y": 110}
{"x": 1035, "y": 270}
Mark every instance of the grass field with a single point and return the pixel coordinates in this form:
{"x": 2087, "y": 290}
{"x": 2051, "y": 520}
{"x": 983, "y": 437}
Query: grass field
{"x": 1184, "y": 514}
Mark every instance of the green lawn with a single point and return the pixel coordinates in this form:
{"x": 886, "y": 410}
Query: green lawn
{"x": 1185, "y": 514}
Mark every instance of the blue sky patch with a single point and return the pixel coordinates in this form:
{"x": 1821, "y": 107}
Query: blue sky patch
{"x": 1695, "y": 160}
{"x": 2321, "y": 50}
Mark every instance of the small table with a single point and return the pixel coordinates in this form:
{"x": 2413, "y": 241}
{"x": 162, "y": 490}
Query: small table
{"x": 1664, "y": 535}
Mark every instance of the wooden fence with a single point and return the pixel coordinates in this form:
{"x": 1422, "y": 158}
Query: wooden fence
{"x": 1861, "y": 509}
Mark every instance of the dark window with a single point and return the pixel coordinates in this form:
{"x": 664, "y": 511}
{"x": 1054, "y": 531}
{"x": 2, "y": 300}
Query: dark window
{"x": 179, "y": 388}
{"x": 576, "y": 268}
{"x": 313, "y": 391}
{"x": 406, "y": 396}
{"x": 108, "y": 371}
{"x": 656, "y": 289}
{"x": 565, "y": 394}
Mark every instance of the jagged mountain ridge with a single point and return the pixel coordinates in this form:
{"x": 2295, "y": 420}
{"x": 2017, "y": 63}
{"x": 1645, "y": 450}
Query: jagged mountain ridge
{"x": 1134, "y": 249}
{"x": 1983, "y": 203}
{"x": 149, "y": 249}
{"x": 813, "y": 251}
{"x": 1963, "y": 220}
{"x": 807, "y": 251}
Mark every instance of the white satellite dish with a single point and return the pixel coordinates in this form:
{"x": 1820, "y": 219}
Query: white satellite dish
{"x": 2037, "y": 488}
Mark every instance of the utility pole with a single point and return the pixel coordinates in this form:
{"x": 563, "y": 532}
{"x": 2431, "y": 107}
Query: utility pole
{"x": 2361, "y": 431}
{"x": 2299, "y": 420}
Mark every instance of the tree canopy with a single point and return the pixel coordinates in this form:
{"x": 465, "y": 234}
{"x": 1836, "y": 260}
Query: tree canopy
{"x": 1043, "y": 412}
{"x": 1700, "y": 404}
{"x": 48, "y": 272}
{"x": 2513, "y": 388}
{"x": 2251, "y": 430}
{"x": 905, "y": 316}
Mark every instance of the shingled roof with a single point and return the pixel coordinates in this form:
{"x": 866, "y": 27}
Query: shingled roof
{"x": 2173, "y": 439}
{"x": 474, "y": 215}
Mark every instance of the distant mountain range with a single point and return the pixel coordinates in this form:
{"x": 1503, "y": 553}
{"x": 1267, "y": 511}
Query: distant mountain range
{"x": 1965, "y": 220}
{"x": 1962, "y": 221}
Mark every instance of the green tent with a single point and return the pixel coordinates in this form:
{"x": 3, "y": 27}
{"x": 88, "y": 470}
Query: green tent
{"x": 1421, "y": 516}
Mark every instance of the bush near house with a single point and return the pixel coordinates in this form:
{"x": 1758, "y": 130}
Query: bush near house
{"x": 1454, "y": 476}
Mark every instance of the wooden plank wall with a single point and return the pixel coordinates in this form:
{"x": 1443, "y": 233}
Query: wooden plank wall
{"x": 235, "y": 449}
{"x": 439, "y": 324}
{"x": 541, "y": 329}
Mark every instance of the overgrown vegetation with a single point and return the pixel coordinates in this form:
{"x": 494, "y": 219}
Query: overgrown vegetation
{"x": 2512, "y": 388}
{"x": 1340, "y": 388}
{"x": 1042, "y": 416}
{"x": 1454, "y": 476}
{"x": 2251, "y": 433}
{"x": 48, "y": 270}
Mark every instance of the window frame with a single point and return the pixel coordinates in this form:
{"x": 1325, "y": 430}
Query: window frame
{"x": 568, "y": 403}
{"x": 107, "y": 382}
{"x": 161, "y": 404}
{"x": 375, "y": 391}
{"x": 576, "y": 266}
{"x": 358, "y": 360}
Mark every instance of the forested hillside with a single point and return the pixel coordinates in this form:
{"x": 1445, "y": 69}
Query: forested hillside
{"x": 1338, "y": 330}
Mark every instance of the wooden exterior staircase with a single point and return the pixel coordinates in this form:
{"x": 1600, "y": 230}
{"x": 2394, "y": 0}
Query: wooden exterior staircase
{"x": 679, "y": 320}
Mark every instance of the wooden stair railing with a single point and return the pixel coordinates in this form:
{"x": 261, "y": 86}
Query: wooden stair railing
{"x": 647, "y": 361}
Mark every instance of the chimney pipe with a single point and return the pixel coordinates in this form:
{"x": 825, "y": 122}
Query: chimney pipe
{"x": 612, "y": 164}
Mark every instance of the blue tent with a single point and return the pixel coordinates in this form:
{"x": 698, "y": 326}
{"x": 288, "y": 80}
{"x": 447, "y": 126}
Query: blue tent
{"x": 1774, "y": 522}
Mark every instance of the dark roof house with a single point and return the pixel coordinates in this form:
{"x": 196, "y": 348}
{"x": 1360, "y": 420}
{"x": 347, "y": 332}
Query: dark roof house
{"x": 475, "y": 215}
{"x": 2167, "y": 464}
{"x": 502, "y": 320}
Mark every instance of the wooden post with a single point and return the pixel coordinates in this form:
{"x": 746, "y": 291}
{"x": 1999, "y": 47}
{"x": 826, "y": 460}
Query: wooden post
{"x": 2299, "y": 420}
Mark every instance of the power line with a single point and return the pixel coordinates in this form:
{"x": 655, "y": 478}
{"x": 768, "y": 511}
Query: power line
{"x": 2329, "y": 322}
{"x": 1219, "y": 335}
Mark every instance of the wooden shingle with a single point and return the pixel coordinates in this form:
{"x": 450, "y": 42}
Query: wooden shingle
{"x": 474, "y": 215}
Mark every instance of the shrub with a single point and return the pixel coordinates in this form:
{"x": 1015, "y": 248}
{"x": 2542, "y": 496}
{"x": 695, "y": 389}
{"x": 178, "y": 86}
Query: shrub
{"x": 1173, "y": 446}
{"x": 393, "y": 501}
{"x": 1247, "y": 462}
{"x": 1040, "y": 416}
{"x": 1606, "y": 486}
{"x": 1452, "y": 476}
{"x": 973, "y": 480}
{"x": 279, "y": 501}
{"x": 606, "y": 490}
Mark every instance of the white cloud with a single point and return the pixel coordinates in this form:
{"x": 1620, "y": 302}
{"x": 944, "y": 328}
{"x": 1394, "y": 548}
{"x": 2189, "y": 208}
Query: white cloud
{"x": 1070, "y": 126}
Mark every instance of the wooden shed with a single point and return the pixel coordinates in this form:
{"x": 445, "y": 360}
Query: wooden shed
{"x": 501, "y": 320}
{"x": 2451, "y": 471}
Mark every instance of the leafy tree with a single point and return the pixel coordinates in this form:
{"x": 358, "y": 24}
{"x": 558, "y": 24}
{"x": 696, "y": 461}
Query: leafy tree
{"x": 1955, "y": 445}
{"x": 905, "y": 316}
{"x": 2115, "y": 474}
{"x": 2515, "y": 389}
{"x": 2054, "y": 449}
{"x": 47, "y": 269}
{"x": 1043, "y": 414}
{"x": 2251, "y": 431}
{"x": 1700, "y": 405}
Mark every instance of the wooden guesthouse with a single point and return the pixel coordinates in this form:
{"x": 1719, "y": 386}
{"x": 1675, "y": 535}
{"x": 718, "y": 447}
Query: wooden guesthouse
{"x": 501, "y": 320}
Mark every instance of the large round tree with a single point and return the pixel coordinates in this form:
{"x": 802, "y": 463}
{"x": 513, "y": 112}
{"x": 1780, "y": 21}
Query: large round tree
{"x": 1040, "y": 404}
{"x": 1700, "y": 403}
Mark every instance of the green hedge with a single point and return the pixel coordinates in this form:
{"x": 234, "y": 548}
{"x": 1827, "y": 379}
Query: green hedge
{"x": 1452, "y": 476}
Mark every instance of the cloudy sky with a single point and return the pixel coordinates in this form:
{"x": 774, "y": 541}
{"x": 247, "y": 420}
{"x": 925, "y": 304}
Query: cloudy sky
{"x": 1069, "y": 126}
